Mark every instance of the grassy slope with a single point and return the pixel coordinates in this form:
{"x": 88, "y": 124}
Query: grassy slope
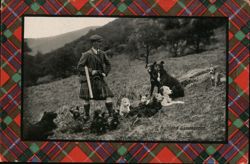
{"x": 204, "y": 105}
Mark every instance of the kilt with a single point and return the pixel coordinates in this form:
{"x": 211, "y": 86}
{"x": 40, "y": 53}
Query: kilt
{"x": 100, "y": 89}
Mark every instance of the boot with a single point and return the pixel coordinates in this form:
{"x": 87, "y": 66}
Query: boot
{"x": 86, "y": 109}
{"x": 109, "y": 107}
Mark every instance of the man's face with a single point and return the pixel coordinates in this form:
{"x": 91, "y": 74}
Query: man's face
{"x": 97, "y": 44}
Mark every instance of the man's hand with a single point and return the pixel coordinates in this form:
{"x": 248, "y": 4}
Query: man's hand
{"x": 94, "y": 72}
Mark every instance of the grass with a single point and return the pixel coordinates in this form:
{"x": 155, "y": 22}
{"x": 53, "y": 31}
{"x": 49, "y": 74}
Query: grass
{"x": 201, "y": 118}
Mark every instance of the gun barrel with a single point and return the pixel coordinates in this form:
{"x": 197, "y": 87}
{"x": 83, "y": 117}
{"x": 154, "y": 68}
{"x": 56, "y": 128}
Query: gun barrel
{"x": 88, "y": 81}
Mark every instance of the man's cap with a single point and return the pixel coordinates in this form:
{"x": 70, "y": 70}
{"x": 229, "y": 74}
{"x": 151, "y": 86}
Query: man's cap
{"x": 94, "y": 38}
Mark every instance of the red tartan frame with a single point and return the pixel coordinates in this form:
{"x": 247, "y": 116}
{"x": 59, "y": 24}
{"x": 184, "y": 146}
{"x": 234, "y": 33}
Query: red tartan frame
{"x": 235, "y": 151}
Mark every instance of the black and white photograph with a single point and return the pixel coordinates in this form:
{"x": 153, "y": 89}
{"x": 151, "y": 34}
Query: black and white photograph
{"x": 159, "y": 79}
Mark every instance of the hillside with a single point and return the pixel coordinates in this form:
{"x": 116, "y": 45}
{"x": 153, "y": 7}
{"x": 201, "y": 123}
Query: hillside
{"x": 48, "y": 44}
{"x": 135, "y": 37}
{"x": 204, "y": 105}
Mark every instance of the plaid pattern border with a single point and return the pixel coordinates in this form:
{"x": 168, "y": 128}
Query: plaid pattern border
{"x": 235, "y": 151}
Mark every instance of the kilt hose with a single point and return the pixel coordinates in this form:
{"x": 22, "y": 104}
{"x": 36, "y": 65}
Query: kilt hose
{"x": 100, "y": 89}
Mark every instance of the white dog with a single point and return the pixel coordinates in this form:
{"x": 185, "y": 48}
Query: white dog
{"x": 125, "y": 106}
{"x": 166, "y": 100}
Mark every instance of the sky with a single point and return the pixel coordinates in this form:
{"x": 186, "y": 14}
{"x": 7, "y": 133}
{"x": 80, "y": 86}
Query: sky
{"x": 39, "y": 27}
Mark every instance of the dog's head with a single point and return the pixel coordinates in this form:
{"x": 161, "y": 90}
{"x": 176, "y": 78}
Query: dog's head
{"x": 97, "y": 114}
{"x": 158, "y": 97}
{"x": 143, "y": 98}
{"x": 154, "y": 69}
{"x": 165, "y": 90}
{"x": 150, "y": 67}
{"x": 125, "y": 102}
{"x": 212, "y": 70}
{"x": 159, "y": 66}
{"x": 75, "y": 113}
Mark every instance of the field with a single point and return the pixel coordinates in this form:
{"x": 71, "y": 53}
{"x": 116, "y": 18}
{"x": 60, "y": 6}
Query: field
{"x": 201, "y": 118}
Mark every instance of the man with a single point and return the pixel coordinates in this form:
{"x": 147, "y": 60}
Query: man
{"x": 98, "y": 67}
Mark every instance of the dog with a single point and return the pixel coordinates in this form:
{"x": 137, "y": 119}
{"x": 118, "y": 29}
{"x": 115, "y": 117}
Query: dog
{"x": 154, "y": 77}
{"x": 77, "y": 124}
{"x": 167, "y": 80}
{"x": 152, "y": 107}
{"x": 75, "y": 113}
{"x": 114, "y": 123}
{"x": 144, "y": 100}
{"x": 70, "y": 119}
{"x": 42, "y": 129}
{"x": 99, "y": 124}
{"x": 124, "y": 107}
{"x": 165, "y": 98}
{"x": 215, "y": 76}
{"x": 142, "y": 104}
{"x": 146, "y": 108}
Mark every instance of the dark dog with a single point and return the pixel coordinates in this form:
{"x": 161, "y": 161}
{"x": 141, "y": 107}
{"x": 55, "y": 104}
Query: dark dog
{"x": 114, "y": 121}
{"x": 146, "y": 110}
{"x": 79, "y": 120}
{"x": 167, "y": 80}
{"x": 154, "y": 80}
{"x": 99, "y": 124}
{"x": 42, "y": 129}
{"x": 75, "y": 113}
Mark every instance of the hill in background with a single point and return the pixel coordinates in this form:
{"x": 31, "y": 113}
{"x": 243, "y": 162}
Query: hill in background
{"x": 48, "y": 44}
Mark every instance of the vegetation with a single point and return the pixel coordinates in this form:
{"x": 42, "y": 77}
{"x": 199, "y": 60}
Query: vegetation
{"x": 138, "y": 38}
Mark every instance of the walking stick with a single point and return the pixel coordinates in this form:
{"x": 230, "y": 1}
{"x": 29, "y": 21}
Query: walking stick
{"x": 88, "y": 81}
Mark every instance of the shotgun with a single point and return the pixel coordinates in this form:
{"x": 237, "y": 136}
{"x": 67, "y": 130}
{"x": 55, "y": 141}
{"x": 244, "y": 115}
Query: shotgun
{"x": 88, "y": 81}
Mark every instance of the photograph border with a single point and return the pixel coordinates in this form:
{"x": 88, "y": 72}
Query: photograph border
{"x": 132, "y": 141}
{"x": 235, "y": 150}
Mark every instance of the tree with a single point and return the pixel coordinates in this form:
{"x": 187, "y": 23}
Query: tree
{"x": 199, "y": 32}
{"x": 61, "y": 64}
{"x": 192, "y": 33}
{"x": 29, "y": 66}
{"x": 170, "y": 23}
{"x": 176, "y": 38}
{"x": 144, "y": 39}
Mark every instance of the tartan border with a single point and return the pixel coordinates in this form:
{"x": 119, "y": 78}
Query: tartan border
{"x": 236, "y": 150}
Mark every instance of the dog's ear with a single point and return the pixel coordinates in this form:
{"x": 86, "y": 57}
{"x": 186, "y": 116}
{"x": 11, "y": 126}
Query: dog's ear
{"x": 146, "y": 95}
{"x": 162, "y": 62}
{"x": 154, "y": 63}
